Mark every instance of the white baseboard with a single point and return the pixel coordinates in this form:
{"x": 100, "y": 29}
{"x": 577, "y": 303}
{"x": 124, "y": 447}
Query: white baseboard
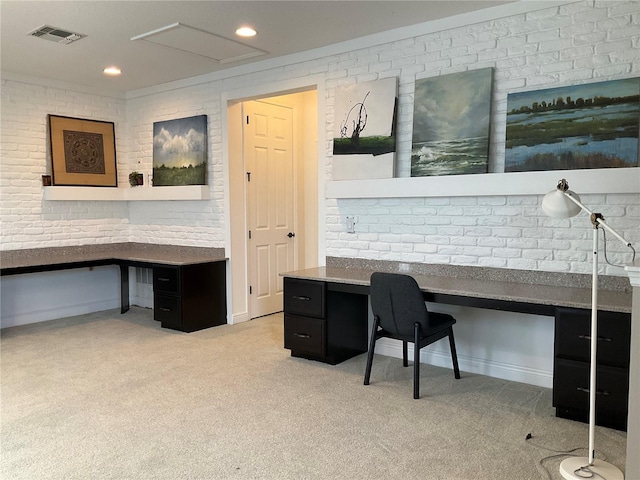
{"x": 240, "y": 317}
{"x": 480, "y": 366}
{"x": 43, "y": 315}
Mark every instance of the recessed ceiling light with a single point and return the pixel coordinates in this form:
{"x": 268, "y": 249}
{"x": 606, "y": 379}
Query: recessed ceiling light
{"x": 245, "y": 31}
{"x": 112, "y": 71}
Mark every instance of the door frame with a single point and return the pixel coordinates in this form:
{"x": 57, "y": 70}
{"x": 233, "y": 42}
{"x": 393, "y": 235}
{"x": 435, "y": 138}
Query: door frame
{"x": 234, "y": 185}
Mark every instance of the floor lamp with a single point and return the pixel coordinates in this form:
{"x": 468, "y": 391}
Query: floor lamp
{"x": 563, "y": 203}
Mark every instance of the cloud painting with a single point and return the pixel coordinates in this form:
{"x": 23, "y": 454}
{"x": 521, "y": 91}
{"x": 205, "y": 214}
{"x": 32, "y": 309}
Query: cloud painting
{"x": 180, "y": 151}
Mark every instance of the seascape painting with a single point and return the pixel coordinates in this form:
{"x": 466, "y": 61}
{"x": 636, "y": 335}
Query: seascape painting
{"x": 180, "y": 151}
{"x": 577, "y": 127}
{"x": 364, "y": 140}
{"x": 451, "y": 121}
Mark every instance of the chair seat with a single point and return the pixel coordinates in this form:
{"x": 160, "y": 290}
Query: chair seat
{"x": 438, "y": 322}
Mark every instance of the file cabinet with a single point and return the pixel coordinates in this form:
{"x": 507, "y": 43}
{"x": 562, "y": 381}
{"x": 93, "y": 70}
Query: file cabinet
{"x": 190, "y": 297}
{"x": 572, "y": 364}
{"x": 323, "y": 323}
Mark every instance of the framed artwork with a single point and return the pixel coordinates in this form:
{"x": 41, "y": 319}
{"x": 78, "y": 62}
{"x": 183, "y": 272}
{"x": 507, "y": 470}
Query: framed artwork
{"x": 364, "y": 141}
{"x": 180, "y": 151}
{"x": 586, "y": 126}
{"x": 451, "y": 121}
{"x": 83, "y": 152}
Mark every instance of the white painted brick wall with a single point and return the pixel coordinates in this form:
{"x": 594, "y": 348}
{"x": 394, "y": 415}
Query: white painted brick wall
{"x": 579, "y": 42}
{"x": 26, "y": 221}
{"x": 504, "y": 232}
{"x": 194, "y": 223}
{"x": 576, "y": 43}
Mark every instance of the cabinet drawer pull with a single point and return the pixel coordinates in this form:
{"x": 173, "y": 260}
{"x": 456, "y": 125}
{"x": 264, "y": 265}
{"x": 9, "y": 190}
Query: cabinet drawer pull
{"x": 600, "y": 339}
{"x": 298, "y": 297}
{"x": 301, "y": 335}
{"x": 598, "y": 392}
{"x": 163, "y": 279}
{"x": 164, "y": 309}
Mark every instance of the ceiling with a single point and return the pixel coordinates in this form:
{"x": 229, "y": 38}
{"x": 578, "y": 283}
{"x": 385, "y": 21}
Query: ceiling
{"x": 284, "y": 28}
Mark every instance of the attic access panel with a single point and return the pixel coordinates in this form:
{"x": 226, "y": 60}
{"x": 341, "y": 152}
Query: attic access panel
{"x": 200, "y": 42}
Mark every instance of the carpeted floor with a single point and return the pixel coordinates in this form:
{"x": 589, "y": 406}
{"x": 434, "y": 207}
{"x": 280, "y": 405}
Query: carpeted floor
{"x": 110, "y": 396}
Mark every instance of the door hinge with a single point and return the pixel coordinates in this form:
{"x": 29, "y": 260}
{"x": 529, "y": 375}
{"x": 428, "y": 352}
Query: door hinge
{"x": 248, "y": 176}
{"x": 247, "y": 119}
{"x": 250, "y": 290}
{"x": 249, "y": 234}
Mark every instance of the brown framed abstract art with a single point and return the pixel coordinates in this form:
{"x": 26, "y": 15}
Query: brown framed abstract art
{"x": 83, "y": 152}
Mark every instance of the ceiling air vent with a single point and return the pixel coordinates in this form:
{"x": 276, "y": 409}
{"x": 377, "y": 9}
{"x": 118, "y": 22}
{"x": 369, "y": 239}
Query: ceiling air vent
{"x": 54, "y": 34}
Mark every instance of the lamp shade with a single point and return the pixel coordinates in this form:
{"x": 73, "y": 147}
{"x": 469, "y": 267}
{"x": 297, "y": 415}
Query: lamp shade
{"x": 556, "y": 204}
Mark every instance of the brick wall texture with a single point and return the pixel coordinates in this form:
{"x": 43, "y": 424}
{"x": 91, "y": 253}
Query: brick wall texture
{"x": 573, "y": 43}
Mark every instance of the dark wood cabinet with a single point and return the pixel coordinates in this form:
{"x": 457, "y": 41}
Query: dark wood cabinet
{"x": 190, "y": 297}
{"x": 572, "y": 363}
{"x": 322, "y": 323}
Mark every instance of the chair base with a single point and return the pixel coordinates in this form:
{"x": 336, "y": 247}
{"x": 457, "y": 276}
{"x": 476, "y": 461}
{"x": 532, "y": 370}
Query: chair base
{"x": 419, "y": 343}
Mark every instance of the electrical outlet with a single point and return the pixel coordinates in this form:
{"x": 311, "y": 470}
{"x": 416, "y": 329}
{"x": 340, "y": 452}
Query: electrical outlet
{"x": 351, "y": 225}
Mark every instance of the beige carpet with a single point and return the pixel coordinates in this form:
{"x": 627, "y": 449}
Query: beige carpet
{"x": 110, "y": 396}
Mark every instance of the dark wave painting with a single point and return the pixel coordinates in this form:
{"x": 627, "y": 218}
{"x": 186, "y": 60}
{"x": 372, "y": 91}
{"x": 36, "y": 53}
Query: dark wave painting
{"x": 451, "y": 120}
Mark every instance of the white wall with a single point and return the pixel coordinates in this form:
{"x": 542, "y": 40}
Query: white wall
{"x": 562, "y": 43}
{"x": 38, "y": 297}
{"x": 193, "y": 223}
{"x": 26, "y": 221}
{"x": 565, "y": 45}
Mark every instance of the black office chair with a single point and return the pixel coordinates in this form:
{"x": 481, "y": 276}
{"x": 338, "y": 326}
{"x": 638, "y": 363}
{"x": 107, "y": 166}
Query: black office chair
{"x": 400, "y": 312}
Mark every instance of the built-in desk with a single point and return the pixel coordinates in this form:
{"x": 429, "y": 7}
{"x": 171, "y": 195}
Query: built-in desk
{"x": 189, "y": 282}
{"x": 497, "y": 289}
{"x": 326, "y": 318}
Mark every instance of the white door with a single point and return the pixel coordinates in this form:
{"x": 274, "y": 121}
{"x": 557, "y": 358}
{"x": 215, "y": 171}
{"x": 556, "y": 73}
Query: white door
{"x": 268, "y": 150}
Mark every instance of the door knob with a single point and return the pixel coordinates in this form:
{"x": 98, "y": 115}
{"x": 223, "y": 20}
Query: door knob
{"x": 291, "y": 234}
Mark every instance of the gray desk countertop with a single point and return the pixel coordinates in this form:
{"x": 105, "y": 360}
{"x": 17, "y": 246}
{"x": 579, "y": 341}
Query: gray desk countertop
{"x": 134, "y": 252}
{"x": 508, "y": 290}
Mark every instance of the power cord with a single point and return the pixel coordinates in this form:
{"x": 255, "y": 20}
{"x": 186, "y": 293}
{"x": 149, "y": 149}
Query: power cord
{"x": 604, "y": 238}
{"x": 582, "y": 472}
{"x": 588, "y": 473}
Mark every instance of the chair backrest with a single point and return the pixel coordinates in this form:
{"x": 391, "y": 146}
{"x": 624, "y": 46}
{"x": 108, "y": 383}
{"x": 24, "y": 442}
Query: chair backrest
{"x": 398, "y": 302}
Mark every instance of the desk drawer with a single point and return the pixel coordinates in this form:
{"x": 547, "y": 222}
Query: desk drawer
{"x": 573, "y": 334}
{"x": 165, "y": 279}
{"x": 571, "y": 388}
{"x": 304, "y": 335}
{"x": 166, "y": 309}
{"x": 304, "y": 297}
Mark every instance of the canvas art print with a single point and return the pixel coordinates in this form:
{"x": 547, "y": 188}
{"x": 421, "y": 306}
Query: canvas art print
{"x": 180, "y": 151}
{"x": 578, "y": 127}
{"x": 451, "y": 119}
{"x": 364, "y": 140}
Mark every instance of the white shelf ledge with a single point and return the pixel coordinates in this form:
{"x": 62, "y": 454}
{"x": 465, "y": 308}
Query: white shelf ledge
{"x": 606, "y": 180}
{"x": 188, "y": 192}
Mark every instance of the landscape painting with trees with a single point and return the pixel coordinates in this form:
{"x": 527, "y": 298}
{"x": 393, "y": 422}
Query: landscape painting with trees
{"x": 578, "y": 127}
{"x": 180, "y": 151}
{"x": 364, "y": 141}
